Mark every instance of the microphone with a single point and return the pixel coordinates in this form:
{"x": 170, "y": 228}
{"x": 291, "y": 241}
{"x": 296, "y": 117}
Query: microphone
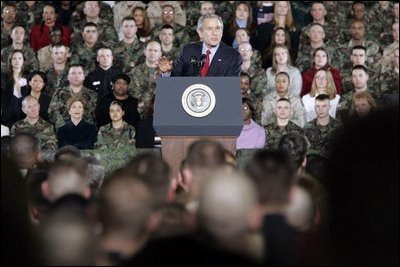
{"x": 193, "y": 60}
{"x": 202, "y": 60}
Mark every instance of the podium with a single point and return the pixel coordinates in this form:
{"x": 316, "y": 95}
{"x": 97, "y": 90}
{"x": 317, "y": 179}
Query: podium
{"x": 188, "y": 109}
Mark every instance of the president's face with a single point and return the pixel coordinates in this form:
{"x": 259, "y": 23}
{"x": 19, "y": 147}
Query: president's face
{"x": 211, "y": 32}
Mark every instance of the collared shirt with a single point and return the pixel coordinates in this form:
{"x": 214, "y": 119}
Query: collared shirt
{"x": 212, "y": 50}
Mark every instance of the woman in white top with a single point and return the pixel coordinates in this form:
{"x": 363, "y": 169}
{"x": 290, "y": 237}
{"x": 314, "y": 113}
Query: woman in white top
{"x": 281, "y": 62}
{"x": 322, "y": 83}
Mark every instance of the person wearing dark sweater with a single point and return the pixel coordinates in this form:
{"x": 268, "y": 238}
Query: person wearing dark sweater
{"x": 77, "y": 132}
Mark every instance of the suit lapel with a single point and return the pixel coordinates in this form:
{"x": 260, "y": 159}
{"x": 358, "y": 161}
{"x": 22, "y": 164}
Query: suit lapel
{"x": 216, "y": 63}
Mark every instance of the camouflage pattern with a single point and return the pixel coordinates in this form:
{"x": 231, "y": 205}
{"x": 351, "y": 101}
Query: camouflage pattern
{"x": 389, "y": 86}
{"x": 31, "y": 61}
{"x": 143, "y": 83}
{"x": 305, "y": 56}
{"x": 343, "y": 53}
{"x": 331, "y": 33}
{"x": 55, "y": 81}
{"x": 269, "y": 107}
{"x": 381, "y": 29}
{"x": 5, "y": 37}
{"x": 126, "y": 56}
{"x": 301, "y": 13}
{"x": 321, "y": 137}
{"x": 106, "y": 13}
{"x": 193, "y": 14}
{"x": 58, "y": 111}
{"x": 274, "y": 133}
{"x": 182, "y": 35}
{"x": 28, "y": 18}
{"x": 121, "y": 10}
{"x": 173, "y": 54}
{"x": 258, "y": 81}
{"x": 256, "y": 58}
{"x": 335, "y": 13}
{"x": 42, "y": 130}
{"x": 388, "y": 54}
{"x": 373, "y": 73}
{"x": 85, "y": 56}
{"x": 258, "y": 107}
{"x": 154, "y": 10}
{"x": 225, "y": 10}
{"x": 109, "y": 137}
{"x": 107, "y": 33}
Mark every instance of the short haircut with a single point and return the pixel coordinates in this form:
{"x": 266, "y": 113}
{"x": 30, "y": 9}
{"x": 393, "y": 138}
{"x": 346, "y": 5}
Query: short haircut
{"x": 24, "y": 148}
{"x": 209, "y": 16}
{"x": 67, "y": 152}
{"x": 205, "y": 154}
{"x": 296, "y": 146}
{"x": 322, "y": 97}
{"x": 282, "y": 73}
{"x": 359, "y": 67}
{"x": 273, "y": 174}
{"x": 168, "y": 27}
{"x": 358, "y": 3}
{"x": 358, "y": 47}
{"x": 317, "y": 24}
{"x": 283, "y": 99}
{"x": 90, "y": 24}
{"x": 128, "y": 18}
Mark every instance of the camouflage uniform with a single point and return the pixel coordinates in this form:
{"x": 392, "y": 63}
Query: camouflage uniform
{"x": 121, "y": 10}
{"x": 113, "y": 159}
{"x": 258, "y": 78}
{"x": 31, "y": 62}
{"x": 182, "y": 35}
{"x": 387, "y": 57}
{"x": 85, "y": 56}
{"x": 383, "y": 20}
{"x": 126, "y": 56}
{"x": 321, "y": 137}
{"x": 331, "y": 32}
{"x": 258, "y": 107}
{"x": 343, "y": 54}
{"x": 143, "y": 83}
{"x": 389, "y": 89}
{"x": 107, "y": 33}
{"x": 305, "y": 56}
{"x": 193, "y": 14}
{"x": 42, "y": 130}
{"x": 301, "y": 13}
{"x": 5, "y": 37}
{"x": 154, "y": 10}
{"x": 58, "y": 112}
{"x": 225, "y": 10}
{"x": 173, "y": 54}
{"x": 29, "y": 18}
{"x": 269, "y": 107}
{"x": 373, "y": 73}
{"x": 106, "y": 13}
{"x": 55, "y": 81}
{"x": 109, "y": 137}
{"x": 274, "y": 133}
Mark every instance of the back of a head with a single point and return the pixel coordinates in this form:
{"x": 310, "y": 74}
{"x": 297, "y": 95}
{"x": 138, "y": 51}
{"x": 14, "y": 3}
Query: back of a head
{"x": 25, "y": 149}
{"x": 67, "y": 153}
{"x": 125, "y": 205}
{"x": 296, "y": 146}
{"x": 205, "y": 154}
{"x": 67, "y": 239}
{"x": 95, "y": 173}
{"x": 273, "y": 174}
{"x": 227, "y": 200}
{"x": 363, "y": 182}
{"x": 67, "y": 177}
{"x": 154, "y": 172}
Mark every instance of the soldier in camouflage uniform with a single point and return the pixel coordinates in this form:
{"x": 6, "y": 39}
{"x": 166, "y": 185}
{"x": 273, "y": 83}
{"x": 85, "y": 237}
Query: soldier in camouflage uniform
{"x": 107, "y": 33}
{"x": 129, "y": 50}
{"x": 360, "y": 78}
{"x": 390, "y": 49}
{"x": 124, "y": 9}
{"x": 322, "y": 130}
{"x": 382, "y": 17}
{"x": 301, "y": 13}
{"x": 143, "y": 77}
{"x": 18, "y": 38}
{"x": 168, "y": 48}
{"x": 85, "y": 53}
{"x": 8, "y": 20}
{"x": 389, "y": 90}
{"x": 58, "y": 112}
{"x": 281, "y": 125}
{"x": 181, "y": 32}
{"x": 35, "y": 125}
{"x": 106, "y": 12}
{"x": 193, "y": 14}
{"x": 116, "y": 134}
{"x": 154, "y": 10}
{"x": 343, "y": 52}
{"x": 306, "y": 52}
{"x": 225, "y": 9}
{"x": 30, "y": 13}
{"x": 257, "y": 74}
{"x": 57, "y": 74}
{"x": 318, "y": 13}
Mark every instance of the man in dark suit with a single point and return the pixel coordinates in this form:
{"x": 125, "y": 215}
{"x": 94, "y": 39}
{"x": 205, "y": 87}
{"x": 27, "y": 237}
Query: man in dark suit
{"x": 211, "y": 57}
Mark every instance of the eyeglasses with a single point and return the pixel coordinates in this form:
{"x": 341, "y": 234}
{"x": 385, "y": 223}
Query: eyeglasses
{"x": 245, "y": 49}
{"x": 168, "y": 12}
{"x": 245, "y": 108}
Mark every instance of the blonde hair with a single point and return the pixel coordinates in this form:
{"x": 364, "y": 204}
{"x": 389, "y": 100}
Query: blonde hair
{"x": 330, "y": 86}
{"x": 361, "y": 95}
{"x": 74, "y": 99}
{"x": 289, "y": 61}
{"x": 289, "y": 22}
